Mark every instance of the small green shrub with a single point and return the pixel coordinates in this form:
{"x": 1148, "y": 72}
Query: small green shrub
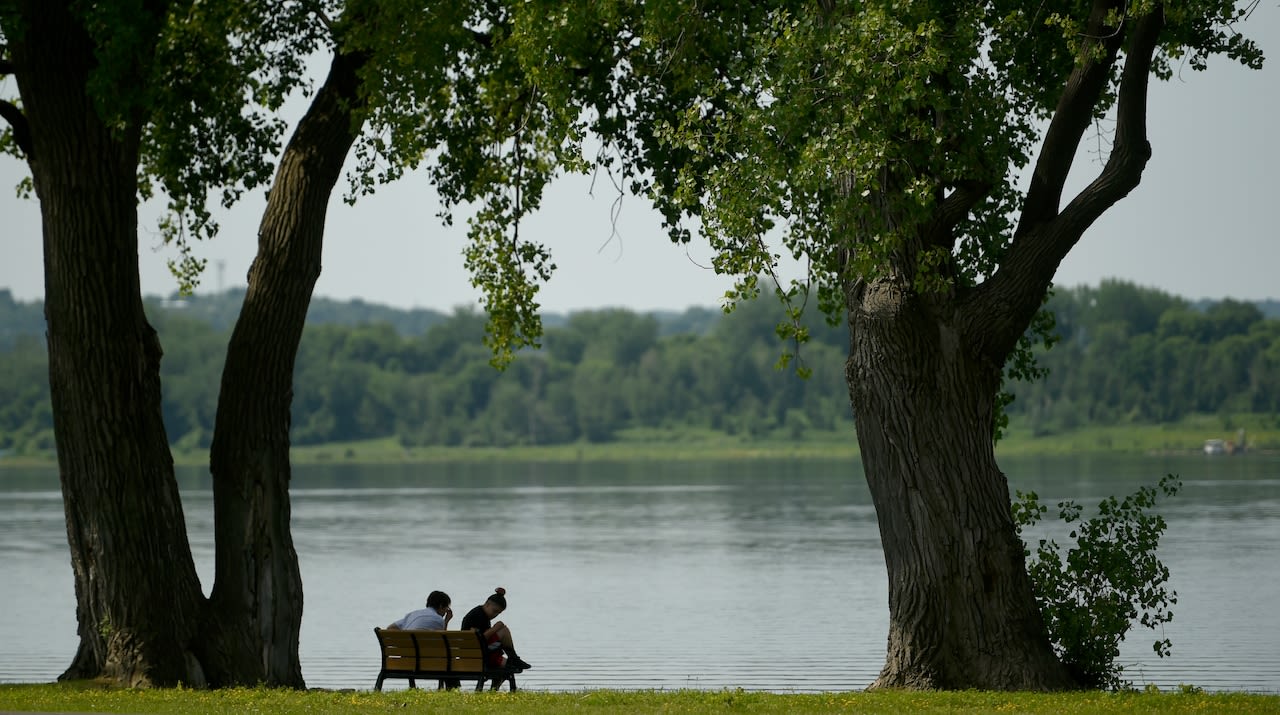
{"x": 1091, "y": 595}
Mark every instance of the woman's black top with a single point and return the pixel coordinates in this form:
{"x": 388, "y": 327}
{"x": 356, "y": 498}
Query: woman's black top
{"x": 476, "y": 620}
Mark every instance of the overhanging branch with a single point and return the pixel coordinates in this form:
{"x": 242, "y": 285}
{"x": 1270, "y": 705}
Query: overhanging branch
{"x": 1071, "y": 118}
{"x": 1044, "y": 237}
{"x": 1131, "y": 150}
{"x": 21, "y": 128}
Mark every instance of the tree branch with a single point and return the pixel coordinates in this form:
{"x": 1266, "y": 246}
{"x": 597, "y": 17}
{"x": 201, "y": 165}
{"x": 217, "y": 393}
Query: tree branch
{"x": 21, "y": 128}
{"x": 1044, "y": 237}
{"x": 1131, "y": 150}
{"x": 957, "y": 206}
{"x": 7, "y": 65}
{"x": 1071, "y": 118}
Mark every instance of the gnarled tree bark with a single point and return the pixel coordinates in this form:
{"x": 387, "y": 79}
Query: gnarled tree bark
{"x": 137, "y": 594}
{"x": 961, "y": 610}
{"x": 256, "y": 605}
{"x": 923, "y": 373}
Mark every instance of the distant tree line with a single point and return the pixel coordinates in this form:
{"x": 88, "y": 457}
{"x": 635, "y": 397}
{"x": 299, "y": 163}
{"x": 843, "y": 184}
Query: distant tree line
{"x": 598, "y": 372}
{"x": 1124, "y": 354}
{"x": 1132, "y": 354}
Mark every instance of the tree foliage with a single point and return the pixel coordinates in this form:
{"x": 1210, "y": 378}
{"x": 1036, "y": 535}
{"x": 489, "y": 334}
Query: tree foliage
{"x": 788, "y": 126}
{"x": 1092, "y": 593}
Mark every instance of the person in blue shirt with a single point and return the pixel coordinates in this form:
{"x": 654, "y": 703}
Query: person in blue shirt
{"x": 435, "y": 617}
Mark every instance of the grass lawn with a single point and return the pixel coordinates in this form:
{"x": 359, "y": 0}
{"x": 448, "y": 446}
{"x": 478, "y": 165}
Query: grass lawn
{"x": 86, "y": 698}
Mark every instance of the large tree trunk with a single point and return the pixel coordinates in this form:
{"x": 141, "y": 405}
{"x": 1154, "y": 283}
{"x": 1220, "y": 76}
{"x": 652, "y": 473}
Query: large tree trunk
{"x": 923, "y": 373}
{"x": 257, "y": 596}
{"x": 137, "y": 594}
{"x": 961, "y": 610}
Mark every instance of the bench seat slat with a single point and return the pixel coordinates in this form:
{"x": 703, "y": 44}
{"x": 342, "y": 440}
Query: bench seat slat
{"x": 443, "y": 665}
{"x": 435, "y": 662}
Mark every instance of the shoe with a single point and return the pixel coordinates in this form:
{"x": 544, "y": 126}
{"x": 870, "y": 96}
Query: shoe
{"x": 515, "y": 663}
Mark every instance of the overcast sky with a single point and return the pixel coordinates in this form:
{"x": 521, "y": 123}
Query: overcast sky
{"x": 1203, "y": 223}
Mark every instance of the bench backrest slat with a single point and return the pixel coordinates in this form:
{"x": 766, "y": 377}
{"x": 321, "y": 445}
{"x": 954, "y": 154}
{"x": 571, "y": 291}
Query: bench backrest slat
{"x": 433, "y": 651}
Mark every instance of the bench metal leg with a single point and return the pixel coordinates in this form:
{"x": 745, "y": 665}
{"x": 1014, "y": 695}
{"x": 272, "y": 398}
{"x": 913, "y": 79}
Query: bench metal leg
{"x": 509, "y": 679}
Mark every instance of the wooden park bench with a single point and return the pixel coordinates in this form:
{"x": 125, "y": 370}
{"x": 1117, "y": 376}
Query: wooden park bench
{"x": 443, "y": 655}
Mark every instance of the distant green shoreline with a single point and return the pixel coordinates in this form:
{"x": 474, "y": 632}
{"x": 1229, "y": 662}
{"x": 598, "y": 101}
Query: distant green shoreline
{"x": 1262, "y": 436}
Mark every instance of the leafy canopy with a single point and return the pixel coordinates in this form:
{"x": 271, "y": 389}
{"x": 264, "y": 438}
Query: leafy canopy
{"x": 843, "y": 134}
{"x": 206, "y": 88}
{"x": 838, "y": 133}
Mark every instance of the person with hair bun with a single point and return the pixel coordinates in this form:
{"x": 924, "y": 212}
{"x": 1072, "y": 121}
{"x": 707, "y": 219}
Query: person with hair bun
{"x": 497, "y": 635}
{"x": 435, "y": 617}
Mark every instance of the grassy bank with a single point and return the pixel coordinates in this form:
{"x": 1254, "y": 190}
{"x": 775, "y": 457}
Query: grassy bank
{"x": 631, "y": 445}
{"x": 86, "y": 699}
{"x": 1188, "y": 437}
{"x": 1262, "y": 435}
{"x": 1185, "y": 437}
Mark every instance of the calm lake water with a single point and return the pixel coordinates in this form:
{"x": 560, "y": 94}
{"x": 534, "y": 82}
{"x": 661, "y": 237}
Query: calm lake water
{"x": 612, "y": 570}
